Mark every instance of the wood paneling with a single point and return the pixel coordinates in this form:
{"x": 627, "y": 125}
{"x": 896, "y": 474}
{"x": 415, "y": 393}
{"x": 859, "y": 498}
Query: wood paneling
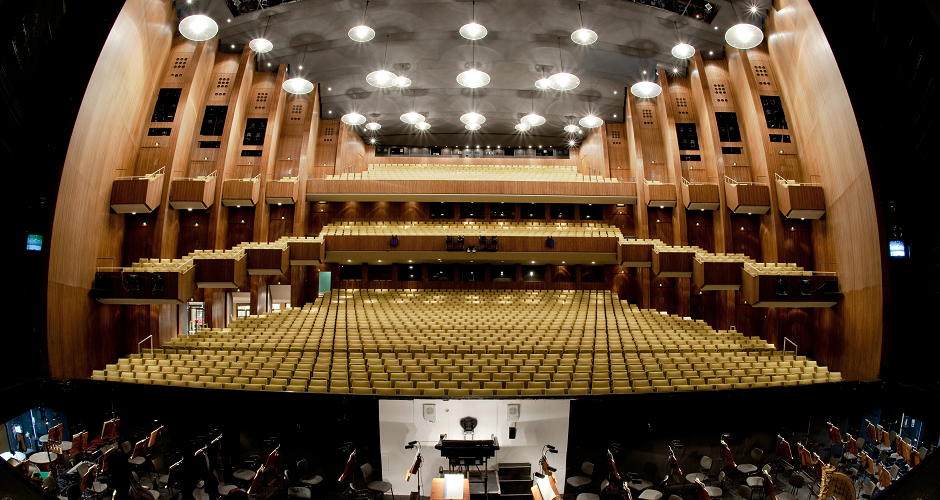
{"x": 747, "y": 198}
{"x": 82, "y": 334}
{"x": 221, "y": 273}
{"x": 701, "y": 196}
{"x": 350, "y": 150}
{"x": 327, "y": 140}
{"x": 240, "y": 192}
{"x": 848, "y": 337}
{"x": 281, "y": 192}
{"x": 800, "y": 201}
{"x": 136, "y": 195}
{"x": 155, "y": 288}
{"x": 592, "y": 153}
{"x": 672, "y": 264}
{"x": 709, "y": 275}
{"x": 306, "y": 253}
{"x": 192, "y": 194}
{"x": 267, "y": 261}
{"x": 507, "y": 244}
{"x": 786, "y": 291}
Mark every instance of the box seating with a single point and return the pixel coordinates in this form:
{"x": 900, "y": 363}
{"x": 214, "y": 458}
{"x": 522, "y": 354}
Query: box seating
{"x": 519, "y": 173}
{"x": 421, "y": 342}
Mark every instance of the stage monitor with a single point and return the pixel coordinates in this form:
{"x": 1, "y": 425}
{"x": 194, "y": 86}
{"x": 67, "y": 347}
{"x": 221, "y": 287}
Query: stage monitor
{"x": 34, "y": 242}
{"x": 897, "y": 248}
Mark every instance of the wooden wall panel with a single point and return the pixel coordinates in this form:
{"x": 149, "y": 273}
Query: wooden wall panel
{"x": 350, "y": 150}
{"x": 327, "y": 140}
{"x": 81, "y": 333}
{"x": 592, "y": 153}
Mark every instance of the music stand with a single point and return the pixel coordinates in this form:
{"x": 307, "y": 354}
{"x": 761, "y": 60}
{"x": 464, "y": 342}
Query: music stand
{"x": 415, "y": 468}
{"x": 172, "y": 476}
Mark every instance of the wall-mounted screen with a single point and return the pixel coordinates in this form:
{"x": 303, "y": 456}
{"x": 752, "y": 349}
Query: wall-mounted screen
{"x": 34, "y": 242}
{"x": 897, "y": 248}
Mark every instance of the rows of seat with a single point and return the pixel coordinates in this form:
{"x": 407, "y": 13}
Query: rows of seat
{"x": 762, "y": 268}
{"x": 435, "y": 228}
{"x": 411, "y": 342}
{"x": 518, "y": 173}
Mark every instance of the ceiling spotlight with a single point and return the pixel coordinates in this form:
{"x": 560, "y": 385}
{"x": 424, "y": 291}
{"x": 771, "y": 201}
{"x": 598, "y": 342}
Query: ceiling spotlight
{"x": 381, "y": 79}
{"x": 297, "y": 86}
{"x": 422, "y": 126}
{"x": 412, "y": 118}
{"x": 584, "y": 36}
{"x": 472, "y": 126}
{"x": 472, "y": 118}
{"x": 353, "y": 119}
{"x": 543, "y": 84}
{"x": 564, "y": 81}
{"x": 361, "y": 33}
{"x": 402, "y": 82}
{"x": 373, "y": 126}
{"x": 372, "y": 140}
{"x": 473, "y": 78}
{"x": 744, "y": 36}
{"x": 523, "y": 127}
{"x": 683, "y": 51}
{"x": 754, "y": 9}
{"x": 473, "y": 31}
{"x": 571, "y": 143}
{"x": 646, "y": 90}
{"x": 590, "y": 121}
{"x": 261, "y": 45}
{"x": 198, "y": 28}
{"x": 533, "y": 120}
{"x": 572, "y": 128}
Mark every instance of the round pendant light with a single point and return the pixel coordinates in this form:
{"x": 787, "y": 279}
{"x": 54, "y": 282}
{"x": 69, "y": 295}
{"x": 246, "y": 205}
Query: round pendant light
{"x": 744, "y": 36}
{"x": 472, "y": 126}
{"x": 590, "y": 121}
{"x": 572, "y": 128}
{"x": 473, "y": 79}
{"x": 543, "y": 84}
{"x": 473, "y": 31}
{"x": 523, "y": 127}
{"x": 261, "y": 45}
{"x": 381, "y": 79}
{"x": 583, "y": 36}
{"x": 298, "y": 86}
{"x": 472, "y": 118}
{"x": 198, "y": 28}
{"x": 646, "y": 90}
{"x": 683, "y": 51}
{"x": 412, "y": 118}
{"x": 373, "y": 126}
{"x": 353, "y": 119}
{"x": 361, "y": 33}
{"x": 422, "y": 126}
{"x": 402, "y": 82}
{"x": 564, "y": 81}
{"x": 533, "y": 120}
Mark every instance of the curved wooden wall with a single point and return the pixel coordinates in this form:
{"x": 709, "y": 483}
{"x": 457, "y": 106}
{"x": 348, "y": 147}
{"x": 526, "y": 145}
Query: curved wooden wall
{"x": 830, "y": 145}
{"x": 82, "y": 334}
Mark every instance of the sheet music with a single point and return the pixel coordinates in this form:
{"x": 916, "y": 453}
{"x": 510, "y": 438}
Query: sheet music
{"x": 453, "y": 486}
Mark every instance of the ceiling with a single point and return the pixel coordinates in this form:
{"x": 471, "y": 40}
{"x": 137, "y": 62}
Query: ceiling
{"x": 525, "y": 38}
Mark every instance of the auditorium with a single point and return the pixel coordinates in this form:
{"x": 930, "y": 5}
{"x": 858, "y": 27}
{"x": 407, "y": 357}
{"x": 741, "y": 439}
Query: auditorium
{"x": 470, "y": 249}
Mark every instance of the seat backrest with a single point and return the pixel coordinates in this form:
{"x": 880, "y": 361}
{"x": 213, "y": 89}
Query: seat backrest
{"x": 757, "y": 453}
{"x": 706, "y": 463}
{"x": 587, "y": 468}
{"x": 744, "y": 491}
{"x": 366, "y": 471}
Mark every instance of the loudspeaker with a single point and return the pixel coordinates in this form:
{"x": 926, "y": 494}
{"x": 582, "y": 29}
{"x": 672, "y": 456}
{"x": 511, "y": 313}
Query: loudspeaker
{"x": 430, "y": 413}
{"x": 512, "y": 412}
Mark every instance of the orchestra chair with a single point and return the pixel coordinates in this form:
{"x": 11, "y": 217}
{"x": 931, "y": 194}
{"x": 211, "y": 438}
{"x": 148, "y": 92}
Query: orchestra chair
{"x": 88, "y": 484}
{"x": 706, "y": 466}
{"x": 594, "y": 496}
{"x": 307, "y": 479}
{"x": 751, "y": 469}
{"x": 581, "y": 481}
{"x": 756, "y": 483}
{"x": 379, "y": 487}
{"x": 745, "y": 492}
{"x": 153, "y": 492}
{"x": 295, "y": 491}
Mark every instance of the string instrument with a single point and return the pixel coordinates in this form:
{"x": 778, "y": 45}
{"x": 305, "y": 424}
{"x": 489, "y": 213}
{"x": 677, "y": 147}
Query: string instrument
{"x": 673, "y": 462}
{"x": 769, "y": 491}
{"x": 834, "y": 435}
{"x": 825, "y": 486}
{"x": 350, "y": 467}
{"x": 871, "y": 431}
{"x": 726, "y": 455}
{"x": 613, "y": 465}
{"x": 256, "y": 481}
{"x": 818, "y": 465}
{"x": 414, "y": 466}
{"x": 783, "y": 448}
{"x": 700, "y": 492}
{"x": 853, "y": 444}
{"x": 884, "y": 477}
{"x": 806, "y": 459}
{"x": 625, "y": 493}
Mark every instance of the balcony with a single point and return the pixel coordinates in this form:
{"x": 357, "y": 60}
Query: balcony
{"x": 193, "y": 193}
{"x": 747, "y": 197}
{"x": 281, "y": 192}
{"x": 700, "y": 195}
{"x": 672, "y": 262}
{"x": 800, "y": 200}
{"x": 241, "y": 192}
{"x": 137, "y": 194}
{"x": 636, "y": 253}
{"x": 271, "y": 259}
{"x": 717, "y": 271}
{"x": 151, "y": 281}
{"x": 222, "y": 268}
{"x": 786, "y": 285}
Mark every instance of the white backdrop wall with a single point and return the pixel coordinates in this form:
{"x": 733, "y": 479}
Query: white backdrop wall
{"x": 540, "y": 422}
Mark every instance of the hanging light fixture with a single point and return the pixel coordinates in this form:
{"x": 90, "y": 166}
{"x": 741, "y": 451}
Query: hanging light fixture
{"x": 532, "y": 119}
{"x": 422, "y": 126}
{"x": 563, "y": 81}
{"x": 298, "y": 85}
{"x": 353, "y": 119}
{"x": 572, "y": 128}
{"x": 743, "y": 35}
{"x": 472, "y": 30}
{"x": 681, "y": 50}
{"x": 523, "y": 127}
{"x": 473, "y": 78}
{"x": 373, "y": 126}
{"x": 198, "y": 28}
{"x": 412, "y": 117}
{"x": 472, "y": 126}
{"x": 262, "y": 45}
{"x": 382, "y": 78}
{"x": 362, "y": 33}
{"x": 583, "y": 36}
{"x": 590, "y": 121}
{"x": 402, "y": 82}
{"x": 644, "y": 89}
{"x": 473, "y": 118}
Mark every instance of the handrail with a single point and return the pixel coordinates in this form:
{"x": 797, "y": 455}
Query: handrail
{"x": 729, "y": 180}
{"x": 151, "y": 176}
{"x": 658, "y": 183}
{"x": 795, "y": 347}
{"x": 786, "y": 182}
{"x": 150, "y": 337}
{"x": 687, "y": 182}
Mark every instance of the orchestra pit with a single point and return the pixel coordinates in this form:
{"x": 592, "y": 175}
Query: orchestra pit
{"x": 473, "y": 250}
